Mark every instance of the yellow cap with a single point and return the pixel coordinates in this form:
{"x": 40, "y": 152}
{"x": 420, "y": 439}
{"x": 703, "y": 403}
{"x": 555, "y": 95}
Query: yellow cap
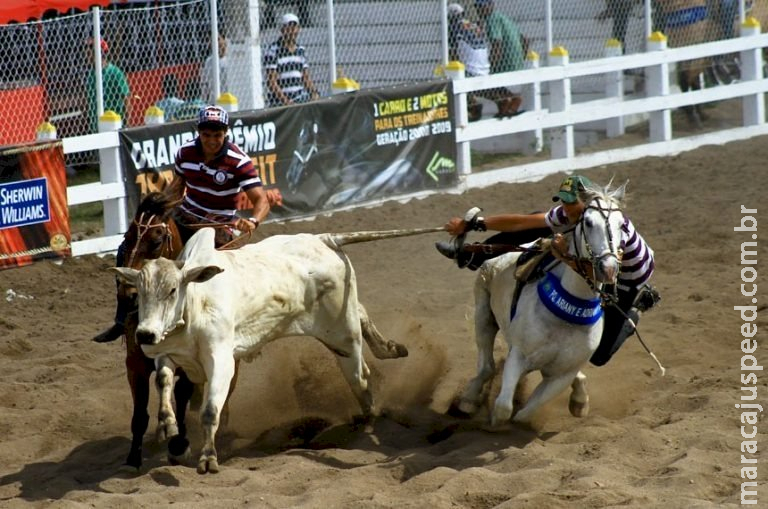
{"x": 153, "y": 111}
{"x": 346, "y": 84}
{"x": 657, "y": 37}
{"x": 226, "y": 98}
{"x": 558, "y": 51}
{"x": 110, "y": 116}
{"x": 46, "y": 127}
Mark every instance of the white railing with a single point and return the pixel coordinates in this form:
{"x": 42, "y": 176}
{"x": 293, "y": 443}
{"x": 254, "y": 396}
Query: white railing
{"x": 558, "y": 119}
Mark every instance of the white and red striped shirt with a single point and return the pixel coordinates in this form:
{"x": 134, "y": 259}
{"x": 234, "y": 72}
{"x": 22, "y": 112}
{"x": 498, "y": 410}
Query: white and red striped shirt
{"x": 637, "y": 263}
{"x": 213, "y": 188}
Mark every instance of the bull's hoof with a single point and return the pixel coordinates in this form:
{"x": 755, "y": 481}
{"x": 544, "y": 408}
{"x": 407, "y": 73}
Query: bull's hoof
{"x": 401, "y": 350}
{"x": 208, "y": 465}
{"x": 461, "y": 409}
{"x": 500, "y": 416}
{"x": 166, "y": 431}
{"x": 578, "y": 409}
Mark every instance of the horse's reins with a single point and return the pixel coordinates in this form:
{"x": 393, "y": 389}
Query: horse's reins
{"x": 585, "y": 263}
{"x": 143, "y": 228}
{"x": 610, "y": 299}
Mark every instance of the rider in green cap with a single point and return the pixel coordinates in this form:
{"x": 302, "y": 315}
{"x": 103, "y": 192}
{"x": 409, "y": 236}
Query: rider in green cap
{"x": 634, "y": 292}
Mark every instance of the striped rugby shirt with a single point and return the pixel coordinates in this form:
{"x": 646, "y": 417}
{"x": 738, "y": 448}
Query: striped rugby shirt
{"x": 212, "y": 189}
{"x": 290, "y": 68}
{"x": 637, "y": 263}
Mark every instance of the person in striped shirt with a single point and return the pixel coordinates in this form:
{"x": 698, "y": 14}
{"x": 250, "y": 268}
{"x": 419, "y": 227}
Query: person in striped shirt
{"x": 635, "y": 294}
{"x": 210, "y": 173}
{"x": 288, "y": 80}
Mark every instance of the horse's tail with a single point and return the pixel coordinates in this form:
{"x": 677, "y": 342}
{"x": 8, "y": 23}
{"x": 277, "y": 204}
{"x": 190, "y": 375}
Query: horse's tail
{"x": 380, "y": 347}
{"x": 337, "y": 240}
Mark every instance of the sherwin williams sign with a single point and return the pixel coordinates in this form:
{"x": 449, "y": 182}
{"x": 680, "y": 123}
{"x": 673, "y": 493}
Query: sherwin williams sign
{"x": 34, "y": 217}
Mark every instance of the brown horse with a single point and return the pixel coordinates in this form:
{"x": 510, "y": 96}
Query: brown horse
{"x": 152, "y": 234}
{"x": 698, "y": 21}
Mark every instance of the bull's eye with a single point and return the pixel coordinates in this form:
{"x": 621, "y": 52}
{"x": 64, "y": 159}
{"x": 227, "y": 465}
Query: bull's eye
{"x": 172, "y": 293}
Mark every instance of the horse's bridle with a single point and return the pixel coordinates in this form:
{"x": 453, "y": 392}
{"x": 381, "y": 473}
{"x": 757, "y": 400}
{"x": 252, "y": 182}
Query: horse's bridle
{"x": 142, "y": 228}
{"x": 586, "y": 262}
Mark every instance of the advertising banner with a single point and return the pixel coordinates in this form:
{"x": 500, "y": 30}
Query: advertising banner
{"x": 34, "y": 218}
{"x": 343, "y": 150}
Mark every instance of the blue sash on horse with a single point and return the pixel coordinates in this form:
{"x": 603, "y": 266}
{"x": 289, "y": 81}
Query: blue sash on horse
{"x": 564, "y": 305}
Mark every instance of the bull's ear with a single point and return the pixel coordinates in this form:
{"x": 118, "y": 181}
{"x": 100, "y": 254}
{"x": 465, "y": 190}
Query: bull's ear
{"x": 201, "y": 274}
{"x": 125, "y": 275}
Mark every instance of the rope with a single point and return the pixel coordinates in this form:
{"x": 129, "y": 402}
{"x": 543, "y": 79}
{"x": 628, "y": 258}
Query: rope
{"x": 612, "y": 302}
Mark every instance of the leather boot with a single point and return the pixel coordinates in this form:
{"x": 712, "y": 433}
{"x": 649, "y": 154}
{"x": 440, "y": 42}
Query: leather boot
{"x": 508, "y": 106}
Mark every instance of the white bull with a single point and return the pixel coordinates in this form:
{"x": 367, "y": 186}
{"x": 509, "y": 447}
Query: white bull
{"x": 285, "y": 285}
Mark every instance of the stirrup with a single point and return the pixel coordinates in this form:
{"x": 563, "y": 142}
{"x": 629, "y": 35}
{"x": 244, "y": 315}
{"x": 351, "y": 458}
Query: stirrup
{"x": 647, "y": 298}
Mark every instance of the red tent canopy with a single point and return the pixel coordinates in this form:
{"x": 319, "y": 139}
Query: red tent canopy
{"x": 24, "y": 10}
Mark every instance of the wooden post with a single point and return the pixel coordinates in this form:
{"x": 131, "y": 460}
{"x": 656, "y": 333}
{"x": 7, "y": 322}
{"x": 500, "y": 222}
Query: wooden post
{"x": 561, "y": 138}
{"x": 614, "y": 88}
{"x": 658, "y": 85}
{"x": 753, "y": 106}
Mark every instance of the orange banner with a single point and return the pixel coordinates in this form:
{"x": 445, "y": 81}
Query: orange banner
{"x": 34, "y": 216}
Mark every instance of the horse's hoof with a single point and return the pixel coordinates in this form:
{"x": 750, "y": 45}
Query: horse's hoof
{"x": 208, "y": 465}
{"x": 179, "y": 452}
{"x": 129, "y": 469}
{"x": 578, "y": 409}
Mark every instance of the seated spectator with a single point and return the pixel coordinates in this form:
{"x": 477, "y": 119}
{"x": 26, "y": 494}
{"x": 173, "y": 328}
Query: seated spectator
{"x": 192, "y": 102}
{"x": 170, "y": 101}
{"x": 467, "y": 44}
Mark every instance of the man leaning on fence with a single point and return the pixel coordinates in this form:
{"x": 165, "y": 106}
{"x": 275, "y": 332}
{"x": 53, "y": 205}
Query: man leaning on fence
{"x": 285, "y": 61}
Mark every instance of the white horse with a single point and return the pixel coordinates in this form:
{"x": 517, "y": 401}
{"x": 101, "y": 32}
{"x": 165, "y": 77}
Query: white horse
{"x": 558, "y": 320}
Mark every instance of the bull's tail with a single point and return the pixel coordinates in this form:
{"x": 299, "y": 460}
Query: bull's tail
{"x": 337, "y": 240}
{"x": 381, "y": 348}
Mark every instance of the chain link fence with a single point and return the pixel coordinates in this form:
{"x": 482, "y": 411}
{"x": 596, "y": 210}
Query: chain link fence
{"x": 162, "y": 50}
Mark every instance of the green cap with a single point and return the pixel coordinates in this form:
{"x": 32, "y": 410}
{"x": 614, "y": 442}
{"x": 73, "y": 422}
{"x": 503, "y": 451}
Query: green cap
{"x": 570, "y": 188}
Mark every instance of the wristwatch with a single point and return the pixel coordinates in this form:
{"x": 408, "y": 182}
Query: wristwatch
{"x": 254, "y": 221}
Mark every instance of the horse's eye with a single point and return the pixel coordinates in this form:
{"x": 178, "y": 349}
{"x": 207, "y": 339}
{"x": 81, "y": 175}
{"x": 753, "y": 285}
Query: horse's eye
{"x": 588, "y": 222}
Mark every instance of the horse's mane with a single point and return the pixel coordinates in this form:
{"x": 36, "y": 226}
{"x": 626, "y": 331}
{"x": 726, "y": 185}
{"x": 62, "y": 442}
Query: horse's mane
{"x": 613, "y": 195}
{"x": 155, "y": 204}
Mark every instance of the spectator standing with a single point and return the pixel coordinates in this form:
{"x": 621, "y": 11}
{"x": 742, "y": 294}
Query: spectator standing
{"x": 115, "y": 88}
{"x": 170, "y": 102}
{"x": 207, "y": 75}
{"x": 288, "y": 80}
{"x": 467, "y": 43}
{"x": 506, "y": 43}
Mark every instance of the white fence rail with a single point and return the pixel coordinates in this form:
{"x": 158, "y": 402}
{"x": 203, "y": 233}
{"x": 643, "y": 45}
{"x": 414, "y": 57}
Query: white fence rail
{"x": 556, "y": 120}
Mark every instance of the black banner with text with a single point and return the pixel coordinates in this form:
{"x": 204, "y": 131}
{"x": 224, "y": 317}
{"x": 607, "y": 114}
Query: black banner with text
{"x": 347, "y": 149}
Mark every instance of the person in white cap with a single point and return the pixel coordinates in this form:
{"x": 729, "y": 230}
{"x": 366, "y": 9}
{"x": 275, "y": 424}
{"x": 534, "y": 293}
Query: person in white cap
{"x": 467, "y": 44}
{"x": 288, "y": 80}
